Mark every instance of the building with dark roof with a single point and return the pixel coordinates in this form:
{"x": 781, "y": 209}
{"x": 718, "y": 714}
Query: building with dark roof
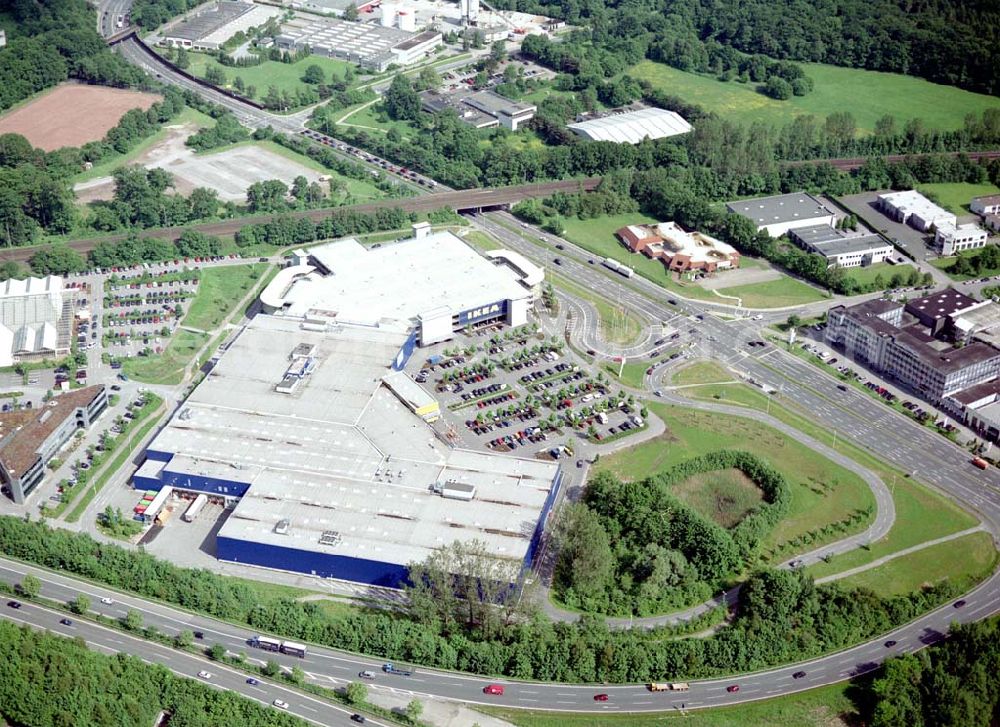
{"x": 783, "y": 212}
{"x": 983, "y": 206}
{"x": 480, "y": 110}
{"x": 30, "y": 438}
{"x": 909, "y": 343}
{"x": 840, "y": 248}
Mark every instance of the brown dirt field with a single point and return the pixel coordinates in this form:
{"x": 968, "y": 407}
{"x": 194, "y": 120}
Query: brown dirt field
{"x": 725, "y": 496}
{"x": 73, "y": 114}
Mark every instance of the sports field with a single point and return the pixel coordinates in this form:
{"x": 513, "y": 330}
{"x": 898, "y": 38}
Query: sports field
{"x": 836, "y": 89}
{"x": 72, "y": 114}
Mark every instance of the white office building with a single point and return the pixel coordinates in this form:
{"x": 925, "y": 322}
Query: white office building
{"x": 951, "y": 239}
{"x": 783, "y": 212}
{"x": 912, "y": 208}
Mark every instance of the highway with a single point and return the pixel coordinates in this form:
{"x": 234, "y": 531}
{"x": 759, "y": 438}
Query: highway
{"x": 330, "y": 668}
{"x": 110, "y": 641}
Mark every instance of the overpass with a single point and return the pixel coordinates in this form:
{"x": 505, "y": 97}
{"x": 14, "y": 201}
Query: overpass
{"x": 466, "y": 200}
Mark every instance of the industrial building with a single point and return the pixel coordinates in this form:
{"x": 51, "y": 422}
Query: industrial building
{"x": 339, "y": 477}
{"x": 431, "y": 285}
{"x": 30, "y": 438}
{"x": 371, "y": 46}
{"x": 912, "y": 208}
{"x": 783, "y": 212}
{"x": 983, "y": 206}
{"x": 951, "y": 239}
{"x": 210, "y": 28}
{"x": 631, "y": 127}
{"x": 481, "y": 110}
{"x": 333, "y": 7}
{"x": 679, "y": 250}
{"x": 842, "y": 248}
{"x": 921, "y": 343}
{"x": 34, "y": 319}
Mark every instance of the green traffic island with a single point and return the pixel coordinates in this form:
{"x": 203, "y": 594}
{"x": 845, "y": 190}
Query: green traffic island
{"x": 804, "y": 541}
{"x": 186, "y": 276}
{"x": 669, "y": 541}
{"x": 506, "y": 394}
{"x": 595, "y": 437}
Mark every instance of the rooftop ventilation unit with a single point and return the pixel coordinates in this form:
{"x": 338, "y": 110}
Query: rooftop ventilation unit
{"x": 282, "y": 527}
{"x": 330, "y": 537}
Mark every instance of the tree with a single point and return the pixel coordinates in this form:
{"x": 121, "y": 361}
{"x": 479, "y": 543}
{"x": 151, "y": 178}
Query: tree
{"x": 357, "y": 693}
{"x": 778, "y": 88}
{"x": 414, "y": 709}
{"x": 183, "y": 59}
{"x": 216, "y": 652}
{"x": 133, "y": 620}
{"x": 498, "y": 51}
{"x": 428, "y": 78}
{"x": 793, "y": 321}
{"x": 351, "y": 13}
{"x": 184, "y": 639}
{"x": 80, "y": 605}
{"x": 271, "y": 669}
{"x": 401, "y": 102}
{"x": 30, "y": 586}
{"x": 215, "y": 75}
{"x": 297, "y": 675}
{"x": 314, "y": 75}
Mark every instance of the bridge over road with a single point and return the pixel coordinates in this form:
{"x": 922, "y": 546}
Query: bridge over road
{"x": 466, "y": 200}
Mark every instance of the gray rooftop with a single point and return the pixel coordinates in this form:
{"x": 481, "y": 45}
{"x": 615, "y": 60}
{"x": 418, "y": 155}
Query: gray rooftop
{"x": 208, "y": 21}
{"x": 342, "y": 453}
{"x": 495, "y": 104}
{"x": 780, "y": 208}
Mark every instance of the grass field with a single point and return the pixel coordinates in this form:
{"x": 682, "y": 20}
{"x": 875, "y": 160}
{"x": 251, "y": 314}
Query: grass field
{"x": 945, "y": 264}
{"x": 723, "y": 496}
{"x": 617, "y": 326}
{"x": 219, "y": 290}
{"x": 867, "y": 275}
{"x": 921, "y": 514}
{"x": 633, "y": 374}
{"x": 115, "y": 160}
{"x": 905, "y": 97}
{"x": 824, "y": 707}
{"x": 964, "y": 561}
{"x": 167, "y": 367}
{"x": 700, "y": 372}
{"x": 775, "y": 293}
{"x": 284, "y": 76}
{"x": 822, "y": 492}
{"x": 373, "y": 117}
{"x": 956, "y": 196}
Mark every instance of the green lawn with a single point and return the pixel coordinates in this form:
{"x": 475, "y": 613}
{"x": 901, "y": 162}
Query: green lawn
{"x": 700, "y": 372}
{"x": 824, "y": 707}
{"x": 633, "y": 374}
{"x": 965, "y": 561}
{"x": 837, "y": 89}
{"x": 956, "y": 196}
{"x": 822, "y": 492}
{"x": 775, "y": 293}
{"x": 284, "y": 76}
{"x": 945, "y": 263}
{"x": 167, "y": 367}
{"x": 373, "y": 117}
{"x": 219, "y": 290}
{"x": 114, "y": 160}
{"x": 867, "y": 275}
{"x": 618, "y": 326}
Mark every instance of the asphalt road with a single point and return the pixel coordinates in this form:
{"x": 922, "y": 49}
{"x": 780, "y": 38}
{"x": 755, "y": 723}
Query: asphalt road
{"x": 110, "y": 641}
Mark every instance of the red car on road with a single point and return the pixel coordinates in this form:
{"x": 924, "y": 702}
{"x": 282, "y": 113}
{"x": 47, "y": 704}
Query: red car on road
{"x": 733, "y": 688}
{"x": 493, "y": 689}
{"x": 600, "y": 697}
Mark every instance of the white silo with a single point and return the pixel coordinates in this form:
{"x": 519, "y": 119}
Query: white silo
{"x": 388, "y": 15}
{"x": 407, "y": 20}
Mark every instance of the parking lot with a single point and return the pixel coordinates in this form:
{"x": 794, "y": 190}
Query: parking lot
{"x": 511, "y": 391}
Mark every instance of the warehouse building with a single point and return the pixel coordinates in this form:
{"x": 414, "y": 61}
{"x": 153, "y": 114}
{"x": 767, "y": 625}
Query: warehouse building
{"x": 783, "y": 212}
{"x": 432, "y": 286}
{"x": 35, "y": 320}
{"x": 210, "y": 28}
{"x": 371, "y": 46}
{"x": 912, "y": 208}
{"x": 337, "y": 477}
{"x": 842, "y": 248}
{"x": 481, "y": 110}
{"x": 631, "y": 127}
{"x": 30, "y": 438}
{"x": 989, "y": 205}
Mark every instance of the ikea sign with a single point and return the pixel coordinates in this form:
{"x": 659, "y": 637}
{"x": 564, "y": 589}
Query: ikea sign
{"x": 482, "y": 313}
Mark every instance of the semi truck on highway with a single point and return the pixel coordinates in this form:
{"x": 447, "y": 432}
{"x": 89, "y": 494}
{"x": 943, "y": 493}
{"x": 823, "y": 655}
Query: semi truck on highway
{"x": 393, "y": 669}
{"x": 668, "y": 687}
{"x": 613, "y": 264}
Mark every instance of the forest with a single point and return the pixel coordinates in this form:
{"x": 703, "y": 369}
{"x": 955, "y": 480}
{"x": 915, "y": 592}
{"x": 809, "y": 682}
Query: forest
{"x": 51, "y": 681}
{"x": 953, "y": 684}
{"x": 940, "y": 40}
{"x": 782, "y": 617}
{"x": 636, "y": 548}
{"x": 52, "y": 41}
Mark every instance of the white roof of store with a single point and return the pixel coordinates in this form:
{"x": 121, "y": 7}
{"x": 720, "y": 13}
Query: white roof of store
{"x": 408, "y": 389}
{"x": 342, "y": 453}
{"x": 912, "y": 202}
{"x": 31, "y": 286}
{"x": 393, "y": 284}
{"x": 633, "y": 126}
{"x": 532, "y": 274}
